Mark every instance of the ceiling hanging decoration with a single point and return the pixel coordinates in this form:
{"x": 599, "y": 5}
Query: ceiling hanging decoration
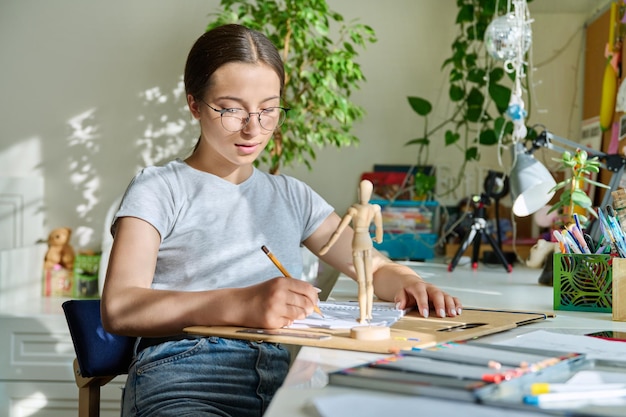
{"x": 507, "y": 39}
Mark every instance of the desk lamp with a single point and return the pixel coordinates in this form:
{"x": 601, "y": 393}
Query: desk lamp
{"x": 531, "y": 182}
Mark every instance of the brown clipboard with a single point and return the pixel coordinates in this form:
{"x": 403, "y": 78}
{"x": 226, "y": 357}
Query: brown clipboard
{"x": 411, "y": 331}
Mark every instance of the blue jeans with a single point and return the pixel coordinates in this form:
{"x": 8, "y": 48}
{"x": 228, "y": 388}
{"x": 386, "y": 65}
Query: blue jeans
{"x": 207, "y": 376}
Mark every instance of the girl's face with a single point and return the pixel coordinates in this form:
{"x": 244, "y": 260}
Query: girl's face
{"x": 250, "y": 87}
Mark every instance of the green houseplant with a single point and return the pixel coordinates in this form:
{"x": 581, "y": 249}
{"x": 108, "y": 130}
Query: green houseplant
{"x": 581, "y": 282}
{"x": 579, "y": 168}
{"x": 478, "y": 90}
{"x": 321, "y": 72}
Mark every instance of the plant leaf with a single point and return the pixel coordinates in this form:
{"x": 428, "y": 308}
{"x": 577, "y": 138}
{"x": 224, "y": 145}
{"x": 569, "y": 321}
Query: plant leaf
{"x": 580, "y": 198}
{"x": 475, "y": 101}
{"x": 477, "y": 75}
{"x": 596, "y": 183}
{"x": 471, "y": 154}
{"x": 420, "y": 106}
{"x": 496, "y": 74}
{"x": 451, "y": 137}
{"x": 500, "y": 95}
{"x": 456, "y": 93}
{"x": 466, "y": 13}
{"x": 488, "y": 137}
{"x": 420, "y": 141}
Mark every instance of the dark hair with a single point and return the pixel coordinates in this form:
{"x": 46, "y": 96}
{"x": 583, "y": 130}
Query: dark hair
{"x": 223, "y": 45}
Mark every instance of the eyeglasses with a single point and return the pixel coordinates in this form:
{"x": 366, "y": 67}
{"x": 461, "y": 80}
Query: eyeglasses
{"x": 234, "y": 119}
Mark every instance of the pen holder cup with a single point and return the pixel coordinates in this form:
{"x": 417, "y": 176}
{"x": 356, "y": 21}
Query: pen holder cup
{"x": 583, "y": 282}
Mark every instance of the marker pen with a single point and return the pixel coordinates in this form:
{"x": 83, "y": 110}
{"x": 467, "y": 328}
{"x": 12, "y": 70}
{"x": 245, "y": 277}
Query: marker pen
{"x": 539, "y": 388}
{"x": 574, "y": 396}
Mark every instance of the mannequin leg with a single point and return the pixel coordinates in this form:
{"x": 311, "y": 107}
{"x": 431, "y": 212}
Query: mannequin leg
{"x": 369, "y": 283}
{"x": 359, "y": 267}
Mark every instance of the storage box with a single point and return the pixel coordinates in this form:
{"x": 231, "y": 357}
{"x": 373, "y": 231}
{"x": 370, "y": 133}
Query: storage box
{"x": 86, "y": 269}
{"x": 58, "y": 282}
{"x": 405, "y": 246}
{"x": 582, "y": 282}
{"x": 409, "y": 229}
{"x": 407, "y": 216}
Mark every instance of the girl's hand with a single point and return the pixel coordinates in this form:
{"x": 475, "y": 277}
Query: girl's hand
{"x": 427, "y": 296}
{"x": 276, "y": 303}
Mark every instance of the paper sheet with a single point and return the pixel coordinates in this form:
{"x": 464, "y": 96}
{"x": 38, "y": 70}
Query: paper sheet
{"x": 345, "y": 315}
{"x": 594, "y": 347}
{"x": 370, "y": 404}
{"x": 591, "y": 377}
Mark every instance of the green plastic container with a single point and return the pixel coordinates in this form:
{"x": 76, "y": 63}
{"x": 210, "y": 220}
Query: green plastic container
{"x": 583, "y": 282}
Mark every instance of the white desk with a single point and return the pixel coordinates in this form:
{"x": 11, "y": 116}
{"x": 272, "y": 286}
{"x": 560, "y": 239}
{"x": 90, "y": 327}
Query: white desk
{"x": 489, "y": 286}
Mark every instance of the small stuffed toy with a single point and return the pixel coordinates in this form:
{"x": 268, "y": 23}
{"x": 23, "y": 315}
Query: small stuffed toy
{"x": 60, "y": 252}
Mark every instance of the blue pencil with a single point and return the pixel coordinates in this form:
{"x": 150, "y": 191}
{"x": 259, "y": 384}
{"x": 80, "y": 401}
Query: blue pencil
{"x": 577, "y": 222}
{"x": 606, "y": 232}
{"x": 616, "y": 232}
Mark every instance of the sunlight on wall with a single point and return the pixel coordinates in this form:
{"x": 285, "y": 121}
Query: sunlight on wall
{"x": 165, "y": 137}
{"x": 168, "y": 131}
{"x": 83, "y": 144}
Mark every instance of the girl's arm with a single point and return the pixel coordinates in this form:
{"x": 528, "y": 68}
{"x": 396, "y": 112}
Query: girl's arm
{"x": 131, "y": 307}
{"x": 392, "y": 281}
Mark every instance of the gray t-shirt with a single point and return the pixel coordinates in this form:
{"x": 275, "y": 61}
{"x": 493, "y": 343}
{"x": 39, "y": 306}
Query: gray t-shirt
{"x": 212, "y": 230}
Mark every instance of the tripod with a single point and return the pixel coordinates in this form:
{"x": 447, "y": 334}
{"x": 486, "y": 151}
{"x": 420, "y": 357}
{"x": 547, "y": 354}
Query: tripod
{"x": 475, "y": 234}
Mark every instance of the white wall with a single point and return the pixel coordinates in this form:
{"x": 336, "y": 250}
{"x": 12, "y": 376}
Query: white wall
{"x": 72, "y": 77}
{"x": 415, "y": 39}
{"x": 85, "y": 85}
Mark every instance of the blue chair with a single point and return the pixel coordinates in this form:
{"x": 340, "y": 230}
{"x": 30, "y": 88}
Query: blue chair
{"x": 100, "y": 355}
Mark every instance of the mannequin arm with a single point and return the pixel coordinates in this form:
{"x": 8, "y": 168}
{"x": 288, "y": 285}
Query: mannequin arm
{"x": 344, "y": 223}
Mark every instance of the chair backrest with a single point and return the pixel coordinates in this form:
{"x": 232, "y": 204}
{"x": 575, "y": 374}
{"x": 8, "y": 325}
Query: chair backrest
{"x": 98, "y": 352}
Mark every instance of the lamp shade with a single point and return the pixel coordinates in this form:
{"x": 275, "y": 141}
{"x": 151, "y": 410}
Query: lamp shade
{"x": 530, "y": 182}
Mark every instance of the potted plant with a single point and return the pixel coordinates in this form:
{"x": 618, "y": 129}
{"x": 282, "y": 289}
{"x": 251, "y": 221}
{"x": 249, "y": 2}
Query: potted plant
{"x": 424, "y": 183}
{"x": 581, "y": 281}
{"x": 321, "y": 72}
{"x": 578, "y": 168}
{"x": 477, "y": 90}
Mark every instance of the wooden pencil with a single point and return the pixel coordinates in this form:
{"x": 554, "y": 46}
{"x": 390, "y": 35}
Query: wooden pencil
{"x": 282, "y": 269}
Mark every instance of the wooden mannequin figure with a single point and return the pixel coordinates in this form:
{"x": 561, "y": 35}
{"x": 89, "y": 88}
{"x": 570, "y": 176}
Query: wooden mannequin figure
{"x": 362, "y": 215}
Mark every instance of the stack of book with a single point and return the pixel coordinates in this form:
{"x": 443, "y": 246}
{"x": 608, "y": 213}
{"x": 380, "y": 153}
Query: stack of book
{"x": 492, "y": 375}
